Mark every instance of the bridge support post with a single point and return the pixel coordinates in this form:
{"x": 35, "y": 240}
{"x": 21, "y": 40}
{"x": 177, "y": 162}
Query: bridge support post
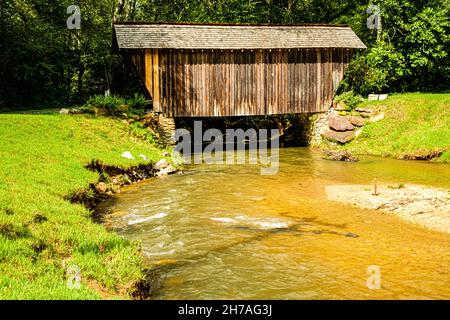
{"x": 313, "y": 125}
{"x": 162, "y": 127}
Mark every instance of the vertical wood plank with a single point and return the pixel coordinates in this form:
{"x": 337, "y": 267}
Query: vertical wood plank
{"x": 277, "y": 91}
{"x": 195, "y": 84}
{"x": 180, "y": 86}
{"x": 226, "y": 78}
{"x": 310, "y": 86}
{"x": 259, "y": 67}
{"x": 253, "y": 74}
{"x": 232, "y": 76}
{"x": 293, "y": 66}
{"x": 185, "y": 88}
{"x": 208, "y": 107}
{"x": 300, "y": 80}
{"x": 270, "y": 83}
{"x": 203, "y": 85}
{"x": 319, "y": 79}
{"x": 217, "y": 79}
{"x": 148, "y": 72}
{"x": 305, "y": 80}
{"x": 248, "y": 82}
{"x": 156, "y": 86}
{"x": 162, "y": 76}
{"x": 285, "y": 81}
{"x": 169, "y": 84}
{"x": 237, "y": 82}
{"x": 175, "y": 94}
{"x": 189, "y": 81}
{"x": 329, "y": 73}
{"x": 299, "y": 75}
{"x": 240, "y": 84}
{"x": 273, "y": 89}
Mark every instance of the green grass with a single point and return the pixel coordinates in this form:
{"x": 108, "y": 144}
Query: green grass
{"x": 415, "y": 124}
{"x": 42, "y": 160}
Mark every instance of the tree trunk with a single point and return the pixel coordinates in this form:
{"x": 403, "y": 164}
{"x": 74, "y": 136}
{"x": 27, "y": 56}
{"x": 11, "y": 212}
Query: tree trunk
{"x": 290, "y": 5}
{"x": 380, "y": 29}
{"x": 118, "y": 10}
{"x": 122, "y": 10}
{"x": 81, "y": 71}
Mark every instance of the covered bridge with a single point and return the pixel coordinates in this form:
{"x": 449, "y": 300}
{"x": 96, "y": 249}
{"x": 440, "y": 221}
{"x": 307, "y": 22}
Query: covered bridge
{"x": 199, "y": 70}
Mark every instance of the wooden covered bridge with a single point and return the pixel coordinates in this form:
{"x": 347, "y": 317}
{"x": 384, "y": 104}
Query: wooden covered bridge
{"x": 198, "y": 70}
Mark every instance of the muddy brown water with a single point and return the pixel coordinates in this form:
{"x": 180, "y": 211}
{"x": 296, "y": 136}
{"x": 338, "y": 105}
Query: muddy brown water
{"x": 227, "y": 232}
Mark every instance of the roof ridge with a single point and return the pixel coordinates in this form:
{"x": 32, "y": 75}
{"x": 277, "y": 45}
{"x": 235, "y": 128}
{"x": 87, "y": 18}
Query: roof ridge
{"x": 219, "y": 24}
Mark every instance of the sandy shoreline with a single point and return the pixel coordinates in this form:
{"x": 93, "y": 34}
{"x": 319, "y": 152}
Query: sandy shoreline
{"x": 426, "y": 206}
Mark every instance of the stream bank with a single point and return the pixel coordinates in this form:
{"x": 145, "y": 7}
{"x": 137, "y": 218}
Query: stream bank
{"x": 226, "y": 232}
{"x": 410, "y": 126}
{"x": 113, "y": 178}
{"x": 43, "y": 235}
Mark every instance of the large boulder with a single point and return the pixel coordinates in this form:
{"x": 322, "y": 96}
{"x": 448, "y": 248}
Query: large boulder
{"x": 101, "y": 187}
{"x": 166, "y": 171}
{"x": 339, "y": 136}
{"x": 127, "y": 155}
{"x": 365, "y": 112}
{"x": 99, "y": 111}
{"x": 77, "y": 111}
{"x": 339, "y": 123}
{"x": 341, "y": 155}
{"x": 357, "y": 121}
{"x": 340, "y": 106}
{"x": 162, "y": 164}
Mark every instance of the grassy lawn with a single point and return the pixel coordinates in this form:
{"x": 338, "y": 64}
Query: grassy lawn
{"x": 42, "y": 160}
{"x": 415, "y": 124}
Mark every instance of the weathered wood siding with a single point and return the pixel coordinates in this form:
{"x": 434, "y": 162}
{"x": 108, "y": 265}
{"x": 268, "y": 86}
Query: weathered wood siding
{"x": 191, "y": 83}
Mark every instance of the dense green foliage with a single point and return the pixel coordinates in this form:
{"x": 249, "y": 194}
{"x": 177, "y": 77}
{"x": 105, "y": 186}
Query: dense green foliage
{"x": 116, "y": 105}
{"x": 42, "y": 161}
{"x": 411, "y": 52}
{"x": 43, "y": 62}
{"x": 349, "y": 99}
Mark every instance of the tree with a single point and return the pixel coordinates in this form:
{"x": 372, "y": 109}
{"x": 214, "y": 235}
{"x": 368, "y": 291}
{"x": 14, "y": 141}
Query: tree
{"x": 412, "y": 53}
{"x": 44, "y": 63}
